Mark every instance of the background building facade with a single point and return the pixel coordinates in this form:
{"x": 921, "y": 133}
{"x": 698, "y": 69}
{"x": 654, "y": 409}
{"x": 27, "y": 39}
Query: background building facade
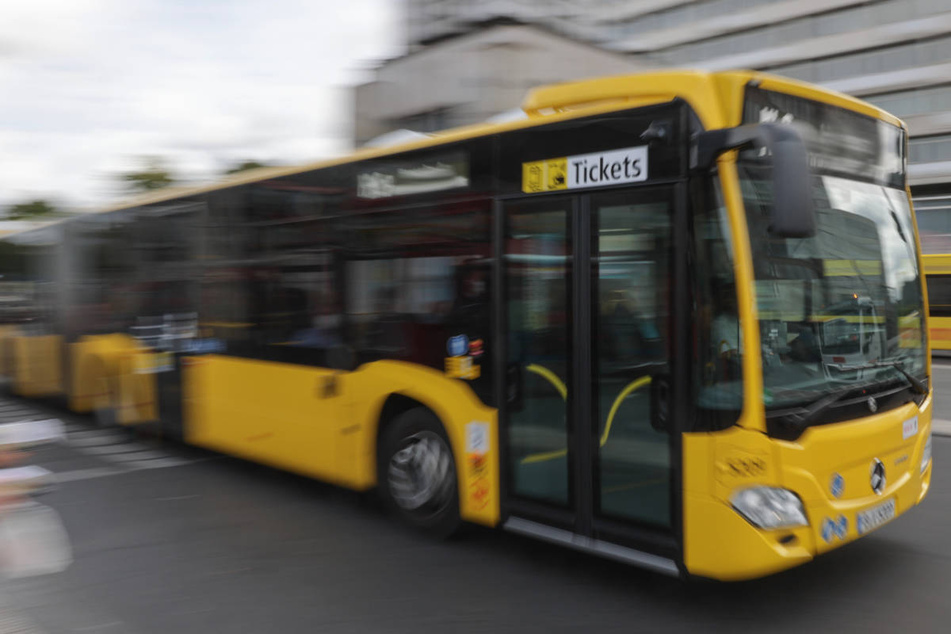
{"x": 473, "y": 76}
{"x": 893, "y": 53}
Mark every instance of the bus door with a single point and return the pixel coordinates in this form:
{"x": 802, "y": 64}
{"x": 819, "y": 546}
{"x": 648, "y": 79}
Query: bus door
{"x": 587, "y": 304}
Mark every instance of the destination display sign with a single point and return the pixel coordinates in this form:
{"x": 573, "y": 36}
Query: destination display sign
{"x": 839, "y": 141}
{"x": 406, "y": 178}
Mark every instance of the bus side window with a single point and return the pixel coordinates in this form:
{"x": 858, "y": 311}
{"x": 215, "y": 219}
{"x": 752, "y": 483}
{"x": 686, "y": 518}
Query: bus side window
{"x": 292, "y": 311}
{"x": 418, "y": 278}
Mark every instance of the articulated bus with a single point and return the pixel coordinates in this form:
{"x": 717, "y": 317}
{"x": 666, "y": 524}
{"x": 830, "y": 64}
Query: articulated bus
{"x": 937, "y": 270}
{"x": 675, "y": 319}
{"x": 934, "y": 226}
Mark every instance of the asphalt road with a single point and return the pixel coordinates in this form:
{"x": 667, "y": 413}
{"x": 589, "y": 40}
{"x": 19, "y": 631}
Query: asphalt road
{"x": 168, "y": 539}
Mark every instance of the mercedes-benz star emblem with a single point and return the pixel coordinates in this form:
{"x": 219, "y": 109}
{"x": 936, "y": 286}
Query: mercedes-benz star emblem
{"x": 877, "y": 479}
{"x": 872, "y": 404}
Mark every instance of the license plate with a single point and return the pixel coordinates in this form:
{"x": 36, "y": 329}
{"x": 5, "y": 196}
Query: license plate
{"x": 875, "y": 516}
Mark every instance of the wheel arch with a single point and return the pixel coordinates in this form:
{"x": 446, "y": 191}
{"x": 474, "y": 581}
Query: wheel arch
{"x": 456, "y": 406}
{"x": 398, "y": 403}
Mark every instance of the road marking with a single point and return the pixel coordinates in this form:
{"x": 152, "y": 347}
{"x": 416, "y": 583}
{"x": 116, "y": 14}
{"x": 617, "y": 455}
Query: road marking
{"x": 119, "y": 450}
{"x": 102, "y": 441}
{"x": 98, "y": 434}
{"x": 138, "y": 456}
{"x": 88, "y": 474}
{"x": 101, "y": 626}
{"x": 160, "y": 463}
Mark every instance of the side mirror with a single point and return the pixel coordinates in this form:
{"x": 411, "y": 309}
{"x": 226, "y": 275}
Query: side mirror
{"x": 793, "y": 211}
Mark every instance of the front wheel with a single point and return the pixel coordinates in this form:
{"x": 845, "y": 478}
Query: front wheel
{"x": 417, "y": 473}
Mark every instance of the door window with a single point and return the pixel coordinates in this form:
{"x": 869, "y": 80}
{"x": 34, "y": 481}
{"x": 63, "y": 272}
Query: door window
{"x": 538, "y": 252}
{"x": 630, "y": 287}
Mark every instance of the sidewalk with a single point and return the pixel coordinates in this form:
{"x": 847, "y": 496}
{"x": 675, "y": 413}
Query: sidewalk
{"x": 941, "y": 427}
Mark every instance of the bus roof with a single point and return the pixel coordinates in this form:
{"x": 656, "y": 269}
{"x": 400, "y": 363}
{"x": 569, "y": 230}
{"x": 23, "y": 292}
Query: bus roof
{"x": 546, "y": 104}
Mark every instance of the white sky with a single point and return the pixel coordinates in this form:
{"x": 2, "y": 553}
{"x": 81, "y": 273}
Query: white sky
{"x": 89, "y": 87}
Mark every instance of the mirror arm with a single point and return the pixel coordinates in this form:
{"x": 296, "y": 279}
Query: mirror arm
{"x": 713, "y": 143}
{"x": 793, "y": 210}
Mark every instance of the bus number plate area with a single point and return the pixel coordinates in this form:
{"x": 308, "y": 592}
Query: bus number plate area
{"x": 875, "y": 516}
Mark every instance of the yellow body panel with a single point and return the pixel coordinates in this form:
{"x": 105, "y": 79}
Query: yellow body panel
{"x": 940, "y": 327}
{"x": 275, "y": 413}
{"x": 752, "y": 416}
{"x": 940, "y": 333}
{"x": 94, "y": 367}
{"x": 7, "y": 334}
{"x": 939, "y": 264}
{"x": 136, "y": 390}
{"x": 720, "y": 543}
{"x": 283, "y": 415}
{"x": 37, "y": 365}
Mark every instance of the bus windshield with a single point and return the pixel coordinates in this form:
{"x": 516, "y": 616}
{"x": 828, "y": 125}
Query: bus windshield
{"x": 835, "y": 303}
{"x": 842, "y": 309}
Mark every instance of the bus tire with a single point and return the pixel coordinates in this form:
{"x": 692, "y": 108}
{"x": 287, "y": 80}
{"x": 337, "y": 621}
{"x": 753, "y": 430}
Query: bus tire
{"x": 417, "y": 473}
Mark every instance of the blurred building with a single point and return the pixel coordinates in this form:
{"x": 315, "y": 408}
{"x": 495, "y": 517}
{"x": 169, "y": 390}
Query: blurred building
{"x": 470, "y": 76}
{"x": 464, "y": 63}
{"x": 428, "y": 21}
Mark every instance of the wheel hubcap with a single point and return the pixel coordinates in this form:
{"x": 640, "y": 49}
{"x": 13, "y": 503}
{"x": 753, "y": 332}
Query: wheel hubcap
{"x": 420, "y": 473}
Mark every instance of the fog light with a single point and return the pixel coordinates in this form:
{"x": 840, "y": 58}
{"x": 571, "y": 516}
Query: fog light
{"x": 770, "y": 507}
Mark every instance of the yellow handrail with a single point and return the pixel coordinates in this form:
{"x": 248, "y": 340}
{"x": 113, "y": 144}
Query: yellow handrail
{"x": 633, "y": 385}
{"x": 553, "y": 378}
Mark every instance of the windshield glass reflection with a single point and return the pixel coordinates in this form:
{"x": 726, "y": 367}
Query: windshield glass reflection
{"x": 836, "y": 309}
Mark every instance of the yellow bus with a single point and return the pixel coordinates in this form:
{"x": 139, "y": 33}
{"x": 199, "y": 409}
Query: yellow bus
{"x": 934, "y": 226}
{"x": 674, "y": 319}
{"x": 937, "y": 271}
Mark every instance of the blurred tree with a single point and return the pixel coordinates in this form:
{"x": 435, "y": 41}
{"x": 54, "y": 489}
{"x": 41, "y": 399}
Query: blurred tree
{"x": 245, "y": 166}
{"x": 153, "y": 176}
{"x": 33, "y": 210}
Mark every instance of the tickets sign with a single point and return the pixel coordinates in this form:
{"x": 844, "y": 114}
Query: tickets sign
{"x": 600, "y": 169}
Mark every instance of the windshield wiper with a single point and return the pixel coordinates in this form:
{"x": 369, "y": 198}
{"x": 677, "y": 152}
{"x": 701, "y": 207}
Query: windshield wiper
{"x": 919, "y": 386}
{"x": 811, "y": 411}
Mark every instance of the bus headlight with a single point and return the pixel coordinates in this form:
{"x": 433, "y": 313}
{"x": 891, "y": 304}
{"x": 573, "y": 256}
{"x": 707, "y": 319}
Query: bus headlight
{"x": 926, "y": 454}
{"x": 769, "y": 507}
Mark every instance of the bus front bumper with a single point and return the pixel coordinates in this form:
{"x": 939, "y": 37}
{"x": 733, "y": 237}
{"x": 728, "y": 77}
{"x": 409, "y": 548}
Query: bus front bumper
{"x": 720, "y": 543}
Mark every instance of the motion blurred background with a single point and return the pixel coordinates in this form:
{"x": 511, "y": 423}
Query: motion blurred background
{"x": 105, "y": 96}
{"x": 103, "y": 99}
